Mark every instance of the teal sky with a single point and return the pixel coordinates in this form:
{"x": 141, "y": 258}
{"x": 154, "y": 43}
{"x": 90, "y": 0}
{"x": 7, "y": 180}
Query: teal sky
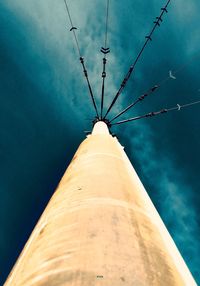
{"x": 45, "y": 108}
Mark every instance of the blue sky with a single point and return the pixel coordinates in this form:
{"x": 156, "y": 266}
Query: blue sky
{"x": 45, "y": 108}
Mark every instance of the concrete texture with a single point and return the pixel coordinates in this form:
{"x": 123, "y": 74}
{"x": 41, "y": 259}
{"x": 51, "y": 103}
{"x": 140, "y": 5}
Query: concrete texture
{"x": 100, "y": 228}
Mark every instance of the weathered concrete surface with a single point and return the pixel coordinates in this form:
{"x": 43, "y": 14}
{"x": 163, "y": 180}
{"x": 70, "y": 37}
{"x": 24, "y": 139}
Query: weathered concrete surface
{"x": 100, "y": 228}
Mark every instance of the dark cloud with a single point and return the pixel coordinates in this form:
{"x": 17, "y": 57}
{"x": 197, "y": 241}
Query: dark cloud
{"x": 45, "y": 108}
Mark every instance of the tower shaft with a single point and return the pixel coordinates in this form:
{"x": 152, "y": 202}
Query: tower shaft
{"x": 100, "y": 228}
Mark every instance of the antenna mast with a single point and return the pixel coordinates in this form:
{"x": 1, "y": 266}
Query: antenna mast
{"x": 148, "y": 38}
{"x": 178, "y": 107}
{"x": 105, "y": 50}
{"x": 73, "y": 29}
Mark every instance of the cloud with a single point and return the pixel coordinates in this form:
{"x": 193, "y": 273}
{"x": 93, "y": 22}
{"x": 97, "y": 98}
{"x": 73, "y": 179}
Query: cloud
{"x": 168, "y": 189}
{"x": 49, "y": 88}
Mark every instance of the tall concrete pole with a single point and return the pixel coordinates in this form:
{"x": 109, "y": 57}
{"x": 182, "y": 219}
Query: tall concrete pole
{"x": 100, "y": 228}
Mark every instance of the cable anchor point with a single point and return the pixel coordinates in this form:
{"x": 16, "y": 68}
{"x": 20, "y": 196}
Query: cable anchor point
{"x": 105, "y": 50}
{"x": 73, "y": 28}
{"x": 148, "y": 38}
{"x": 164, "y": 9}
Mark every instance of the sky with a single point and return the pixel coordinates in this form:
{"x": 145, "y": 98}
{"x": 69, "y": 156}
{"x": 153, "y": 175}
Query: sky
{"x": 45, "y": 108}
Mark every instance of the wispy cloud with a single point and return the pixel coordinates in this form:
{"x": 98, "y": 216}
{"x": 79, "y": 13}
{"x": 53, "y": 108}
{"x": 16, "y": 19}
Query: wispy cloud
{"x": 51, "y": 62}
{"x": 173, "y": 195}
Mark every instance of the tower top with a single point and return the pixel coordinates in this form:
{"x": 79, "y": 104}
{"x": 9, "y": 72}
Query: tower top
{"x": 100, "y": 127}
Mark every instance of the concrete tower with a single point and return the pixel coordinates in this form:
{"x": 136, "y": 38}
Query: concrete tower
{"x": 100, "y": 228}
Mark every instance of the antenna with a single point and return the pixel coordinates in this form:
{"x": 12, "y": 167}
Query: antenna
{"x": 73, "y": 30}
{"x": 178, "y": 107}
{"x": 148, "y": 38}
{"x": 176, "y": 71}
{"x": 142, "y": 97}
{"x": 105, "y": 50}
